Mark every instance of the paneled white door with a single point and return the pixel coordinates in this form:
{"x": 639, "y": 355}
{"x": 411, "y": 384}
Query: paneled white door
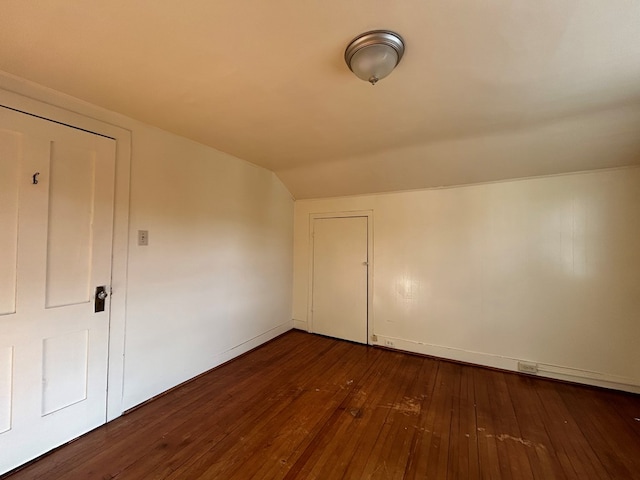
{"x": 56, "y": 220}
{"x": 340, "y": 278}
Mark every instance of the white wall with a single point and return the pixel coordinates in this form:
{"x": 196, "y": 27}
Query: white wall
{"x": 215, "y": 280}
{"x": 217, "y": 271}
{"x": 545, "y": 270}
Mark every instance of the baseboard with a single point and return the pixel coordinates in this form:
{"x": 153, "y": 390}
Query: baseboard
{"x": 220, "y": 359}
{"x": 252, "y": 343}
{"x": 301, "y": 325}
{"x": 556, "y": 372}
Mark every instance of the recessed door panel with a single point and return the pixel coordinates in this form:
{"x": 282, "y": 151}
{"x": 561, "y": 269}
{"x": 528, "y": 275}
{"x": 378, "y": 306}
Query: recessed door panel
{"x": 64, "y": 371}
{"x": 70, "y": 218}
{"x": 6, "y": 372}
{"x": 10, "y": 162}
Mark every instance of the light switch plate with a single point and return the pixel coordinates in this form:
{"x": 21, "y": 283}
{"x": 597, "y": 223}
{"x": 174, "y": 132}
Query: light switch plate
{"x": 143, "y": 237}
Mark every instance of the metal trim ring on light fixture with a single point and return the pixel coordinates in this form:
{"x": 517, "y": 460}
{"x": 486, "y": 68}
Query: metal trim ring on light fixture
{"x": 374, "y": 37}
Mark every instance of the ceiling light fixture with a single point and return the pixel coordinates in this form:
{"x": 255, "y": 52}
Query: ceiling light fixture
{"x": 373, "y": 55}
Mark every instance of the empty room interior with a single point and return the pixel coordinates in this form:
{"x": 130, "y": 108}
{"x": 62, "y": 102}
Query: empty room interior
{"x": 320, "y": 240}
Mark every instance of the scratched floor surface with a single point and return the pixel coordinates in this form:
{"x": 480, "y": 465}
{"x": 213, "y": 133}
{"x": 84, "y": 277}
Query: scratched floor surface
{"x": 306, "y": 407}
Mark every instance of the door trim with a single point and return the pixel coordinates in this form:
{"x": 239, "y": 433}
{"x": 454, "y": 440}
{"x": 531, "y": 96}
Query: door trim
{"x": 370, "y": 256}
{"x": 120, "y": 245}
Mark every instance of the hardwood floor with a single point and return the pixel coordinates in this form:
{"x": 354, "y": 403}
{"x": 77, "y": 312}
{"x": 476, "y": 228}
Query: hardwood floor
{"x": 304, "y": 407}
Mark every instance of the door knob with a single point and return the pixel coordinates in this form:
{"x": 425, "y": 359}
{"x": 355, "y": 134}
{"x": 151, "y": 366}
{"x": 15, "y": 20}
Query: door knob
{"x": 101, "y": 295}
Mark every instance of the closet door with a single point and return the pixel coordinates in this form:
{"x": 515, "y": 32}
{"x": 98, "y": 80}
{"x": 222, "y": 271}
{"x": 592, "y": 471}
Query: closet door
{"x": 340, "y": 278}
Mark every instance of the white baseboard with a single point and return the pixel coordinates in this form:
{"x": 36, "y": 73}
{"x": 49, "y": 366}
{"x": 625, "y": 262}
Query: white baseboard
{"x": 216, "y": 360}
{"x": 506, "y": 363}
{"x": 252, "y": 343}
{"x": 300, "y": 325}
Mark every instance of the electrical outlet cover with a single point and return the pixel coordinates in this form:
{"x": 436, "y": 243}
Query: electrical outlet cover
{"x": 526, "y": 367}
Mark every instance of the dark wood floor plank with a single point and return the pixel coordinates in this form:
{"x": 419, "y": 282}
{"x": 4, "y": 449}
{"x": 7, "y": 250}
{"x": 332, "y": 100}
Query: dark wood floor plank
{"x": 528, "y": 409}
{"x": 463, "y": 458}
{"x": 230, "y": 445}
{"x": 222, "y": 409}
{"x": 295, "y": 437}
{"x": 578, "y": 458}
{"x": 488, "y": 457}
{"x": 405, "y": 419}
{"x": 608, "y": 435}
{"x": 318, "y": 444}
{"x": 627, "y": 408}
{"x": 421, "y": 436}
{"x": 458, "y": 462}
{"x": 438, "y": 456}
{"x": 349, "y": 436}
{"x": 471, "y": 424}
{"x": 387, "y": 460}
{"x": 305, "y": 406}
{"x": 516, "y": 451}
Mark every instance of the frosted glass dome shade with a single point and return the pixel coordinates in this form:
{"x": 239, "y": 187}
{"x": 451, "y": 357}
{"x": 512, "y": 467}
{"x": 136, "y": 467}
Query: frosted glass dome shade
{"x": 374, "y": 63}
{"x": 373, "y": 55}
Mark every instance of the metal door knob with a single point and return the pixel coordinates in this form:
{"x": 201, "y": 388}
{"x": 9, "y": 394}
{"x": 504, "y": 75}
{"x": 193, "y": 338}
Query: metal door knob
{"x": 102, "y": 295}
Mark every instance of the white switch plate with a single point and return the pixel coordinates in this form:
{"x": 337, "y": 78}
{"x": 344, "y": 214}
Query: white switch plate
{"x": 143, "y": 237}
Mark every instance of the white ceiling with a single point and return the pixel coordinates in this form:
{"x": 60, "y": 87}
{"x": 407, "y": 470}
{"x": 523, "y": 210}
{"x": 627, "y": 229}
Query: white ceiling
{"x": 486, "y": 90}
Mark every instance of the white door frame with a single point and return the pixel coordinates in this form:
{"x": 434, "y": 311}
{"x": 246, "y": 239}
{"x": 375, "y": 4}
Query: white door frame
{"x": 356, "y": 213}
{"x": 120, "y": 228}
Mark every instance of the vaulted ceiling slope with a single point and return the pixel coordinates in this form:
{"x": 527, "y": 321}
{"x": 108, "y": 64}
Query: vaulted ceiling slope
{"x": 486, "y": 90}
